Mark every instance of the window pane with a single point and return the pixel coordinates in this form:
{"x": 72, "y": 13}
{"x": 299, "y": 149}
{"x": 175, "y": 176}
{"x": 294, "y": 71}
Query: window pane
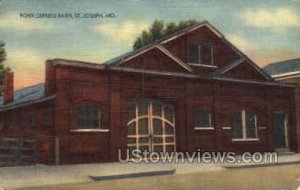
{"x": 170, "y": 148}
{"x": 250, "y": 124}
{"x": 88, "y": 116}
{"x": 169, "y": 130}
{"x": 131, "y": 129}
{"x": 33, "y": 122}
{"x": 207, "y": 54}
{"x": 157, "y": 127}
{"x": 48, "y": 120}
{"x": 236, "y": 123}
{"x": 22, "y": 123}
{"x": 143, "y": 126}
{"x": 144, "y": 140}
{"x": 158, "y": 140}
{"x": 194, "y": 53}
{"x": 168, "y": 113}
{"x": 156, "y": 109}
{"x": 170, "y": 139}
{"x": 203, "y": 118}
{"x": 131, "y": 140}
{"x": 158, "y": 148}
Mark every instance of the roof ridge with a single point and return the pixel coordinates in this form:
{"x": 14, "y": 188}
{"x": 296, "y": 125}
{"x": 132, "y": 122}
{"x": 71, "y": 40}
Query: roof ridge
{"x": 156, "y": 42}
{"x": 72, "y": 60}
{"x": 20, "y": 89}
{"x": 283, "y": 61}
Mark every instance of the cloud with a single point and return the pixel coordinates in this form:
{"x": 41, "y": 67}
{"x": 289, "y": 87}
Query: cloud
{"x": 241, "y": 43}
{"x": 276, "y": 19}
{"x": 28, "y": 66}
{"x": 13, "y": 20}
{"x": 125, "y": 32}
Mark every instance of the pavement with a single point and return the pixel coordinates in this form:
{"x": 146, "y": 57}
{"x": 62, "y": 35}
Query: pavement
{"x": 42, "y": 175}
{"x": 282, "y": 159}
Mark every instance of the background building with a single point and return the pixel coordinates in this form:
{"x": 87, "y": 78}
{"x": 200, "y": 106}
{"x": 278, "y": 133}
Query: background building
{"x": 288, "y": 72}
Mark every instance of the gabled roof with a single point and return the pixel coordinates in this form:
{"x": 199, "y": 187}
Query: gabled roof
{"x": 227, "y": 67}
{"x": 163, "y": 50}
{"x": 240, "y": 53}
{"x": 29, "y": 95}
{"x": 283, "y": 67}
{"x": 116, "y": 61}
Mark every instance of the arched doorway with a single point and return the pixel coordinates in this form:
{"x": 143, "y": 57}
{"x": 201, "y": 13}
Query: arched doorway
{"x": 151, "y": 126}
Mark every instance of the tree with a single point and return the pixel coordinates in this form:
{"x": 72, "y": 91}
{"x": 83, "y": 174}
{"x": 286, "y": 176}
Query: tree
{"x": 3, "y": 69}
{"x": 158, "y": 30}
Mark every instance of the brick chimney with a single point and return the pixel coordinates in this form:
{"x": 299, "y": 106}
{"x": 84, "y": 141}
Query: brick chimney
{"x": 8, "y": 87}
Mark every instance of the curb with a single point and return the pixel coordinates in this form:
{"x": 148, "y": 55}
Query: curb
{"x": 134, "y": 175}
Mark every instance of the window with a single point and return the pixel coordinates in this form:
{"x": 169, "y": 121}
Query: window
{"x": 48, "y": 120}
{"x": 88, "y": 117}
{"x": 13, "y": 125}
{"x": 207, "y": 54}
{"x": 33, "y": 122}
{"x": 203, "y": 118}
{"x": 194, "y": 53}
{"x": 244, "y": 125}
{"x": 22, "y": 123}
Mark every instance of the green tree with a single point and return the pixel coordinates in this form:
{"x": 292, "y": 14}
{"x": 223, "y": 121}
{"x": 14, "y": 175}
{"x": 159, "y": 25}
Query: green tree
{"x": 158, "y": 30}
{"x": 3, "y": 69}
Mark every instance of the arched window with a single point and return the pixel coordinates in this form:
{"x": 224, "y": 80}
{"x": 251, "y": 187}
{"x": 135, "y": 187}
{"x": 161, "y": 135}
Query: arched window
{"x": 88, "y": 117}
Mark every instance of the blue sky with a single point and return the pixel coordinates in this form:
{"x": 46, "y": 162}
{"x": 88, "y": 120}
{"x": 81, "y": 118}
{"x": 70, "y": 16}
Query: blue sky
{"x": 267, "y": 31}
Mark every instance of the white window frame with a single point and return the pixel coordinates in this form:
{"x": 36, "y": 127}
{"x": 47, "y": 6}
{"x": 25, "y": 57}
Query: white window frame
{"x": 200, "y": 54}
{"x": 244, "y": 138}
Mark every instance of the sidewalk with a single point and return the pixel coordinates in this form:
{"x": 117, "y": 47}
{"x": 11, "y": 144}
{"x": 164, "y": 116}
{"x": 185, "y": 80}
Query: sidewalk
{"x": 282, "y": 160}
{"x": 41, "y": 175}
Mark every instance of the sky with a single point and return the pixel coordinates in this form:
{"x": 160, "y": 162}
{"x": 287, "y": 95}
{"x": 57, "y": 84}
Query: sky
{"x": 265, "y": 30}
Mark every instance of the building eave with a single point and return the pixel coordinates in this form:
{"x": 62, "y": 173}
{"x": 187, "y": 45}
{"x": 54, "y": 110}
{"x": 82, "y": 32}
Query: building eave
{"x": 267, "y": 83}
{"x": 194, "y": 76}
{"x": 288, "y": 75}
{"x": 15, "y": 106}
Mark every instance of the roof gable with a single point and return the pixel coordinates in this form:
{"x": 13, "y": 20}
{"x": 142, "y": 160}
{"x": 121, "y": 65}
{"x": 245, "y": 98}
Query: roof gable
{"x": 155, "y": 58}
{"x": 160, "y": 44}
{"x": 242, "y": 69}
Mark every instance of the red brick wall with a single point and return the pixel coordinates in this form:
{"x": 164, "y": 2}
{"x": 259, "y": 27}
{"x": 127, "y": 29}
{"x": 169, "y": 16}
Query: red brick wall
{"x": 112, "y": 90}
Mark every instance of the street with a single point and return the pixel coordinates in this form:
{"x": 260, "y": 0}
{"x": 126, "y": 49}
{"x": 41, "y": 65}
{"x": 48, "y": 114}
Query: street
{"x": 285, "y": 177}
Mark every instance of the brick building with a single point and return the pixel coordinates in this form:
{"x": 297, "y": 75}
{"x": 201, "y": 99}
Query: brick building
{"x": 289, "y": 72}
{"x": 188, "y": 91}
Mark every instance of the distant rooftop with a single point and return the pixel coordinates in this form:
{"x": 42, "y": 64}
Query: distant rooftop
{"x": 23, "y": 96}
{"x": 283, "y": 67}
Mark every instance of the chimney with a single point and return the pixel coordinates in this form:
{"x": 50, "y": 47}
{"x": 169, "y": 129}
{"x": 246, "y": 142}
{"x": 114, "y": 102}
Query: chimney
{"x": 50, "y": 78}
{"x": 8, "y": 87}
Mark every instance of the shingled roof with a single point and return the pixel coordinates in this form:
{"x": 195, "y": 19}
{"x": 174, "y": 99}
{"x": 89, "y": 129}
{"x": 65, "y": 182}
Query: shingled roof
{"x": 29, "y": 95}
{"x": 283, "y": 67}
